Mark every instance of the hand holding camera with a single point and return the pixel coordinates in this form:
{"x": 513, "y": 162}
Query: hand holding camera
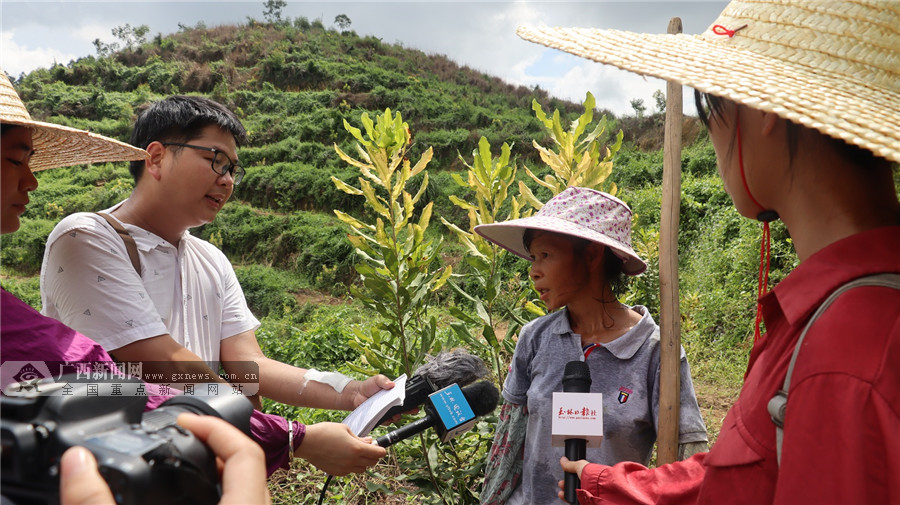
{"x": 81, "y": 483}
{"x": 144, "y": 457}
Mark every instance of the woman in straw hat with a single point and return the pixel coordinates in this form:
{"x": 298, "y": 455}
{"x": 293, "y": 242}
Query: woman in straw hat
{"x": 579, "y": 244}
{"x": 27, "y": 336}
{"x": 802, "y": 101}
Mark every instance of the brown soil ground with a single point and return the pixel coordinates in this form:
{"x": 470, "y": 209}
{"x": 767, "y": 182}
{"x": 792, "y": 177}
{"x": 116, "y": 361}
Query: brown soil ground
{"x": 714, "y": 401}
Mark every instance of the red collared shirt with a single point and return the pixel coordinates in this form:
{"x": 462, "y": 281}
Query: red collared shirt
{"x": 842, "y": 426}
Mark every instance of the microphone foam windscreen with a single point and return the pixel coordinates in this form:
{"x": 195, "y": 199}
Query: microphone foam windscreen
{"x": 482, "y": 396}
{"x": 577, "y": 377}
{"x": 577, "y": 370}
{"x": 457, "y": 366}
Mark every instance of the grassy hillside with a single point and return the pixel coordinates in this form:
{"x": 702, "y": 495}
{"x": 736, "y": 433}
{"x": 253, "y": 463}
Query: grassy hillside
{"x": 293, "y": 85}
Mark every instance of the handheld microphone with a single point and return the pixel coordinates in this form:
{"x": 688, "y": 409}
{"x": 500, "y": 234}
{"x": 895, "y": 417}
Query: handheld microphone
{"x": 448, "y": 367}
{"x": 449, "y": 414}
{"x": 576, "y": 379}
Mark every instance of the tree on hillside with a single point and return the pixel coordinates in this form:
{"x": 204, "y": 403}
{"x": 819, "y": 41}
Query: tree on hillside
{"x": 639, "y": 108}
{"x": 186, "y": 28}
{"x": 131, "y": 36}
{"x": 273, "y": 9}
{"x": 104, "y": 49}
{"x": 660, "y": 99}
{"x": 342, "y": 21}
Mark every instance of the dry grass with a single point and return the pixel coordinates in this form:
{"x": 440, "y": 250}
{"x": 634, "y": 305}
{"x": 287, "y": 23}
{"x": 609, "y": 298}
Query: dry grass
{"x": 302, "y": 483}
{"x": 715, "y": 399}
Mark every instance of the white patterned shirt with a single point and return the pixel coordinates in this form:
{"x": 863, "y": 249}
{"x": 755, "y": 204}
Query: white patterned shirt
{"x": 189, "y": 291}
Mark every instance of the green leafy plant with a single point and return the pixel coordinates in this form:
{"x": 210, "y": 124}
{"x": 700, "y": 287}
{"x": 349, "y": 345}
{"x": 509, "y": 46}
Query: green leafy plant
{"x": 397, "y": 259}
{"x": 489, "y": 180}
{"x": 398, "y": 282}
{"x": 585, "y": 162}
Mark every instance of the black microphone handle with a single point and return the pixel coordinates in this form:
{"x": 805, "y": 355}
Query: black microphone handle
{"x": 404, "y": 432}
{"x": 576, "y": 449}
{"x": 417, "y": 390}
{"x": 576, "y": 379}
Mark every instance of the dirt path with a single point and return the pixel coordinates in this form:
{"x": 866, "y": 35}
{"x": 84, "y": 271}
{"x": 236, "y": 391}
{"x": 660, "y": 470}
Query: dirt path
{"x": 714, "y": 400}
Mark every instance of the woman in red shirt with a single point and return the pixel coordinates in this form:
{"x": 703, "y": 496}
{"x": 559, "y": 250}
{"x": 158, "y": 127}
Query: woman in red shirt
{"x": 802, "y": 102}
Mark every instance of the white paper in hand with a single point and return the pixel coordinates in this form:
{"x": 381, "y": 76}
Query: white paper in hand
{"x": 363, "y": 419}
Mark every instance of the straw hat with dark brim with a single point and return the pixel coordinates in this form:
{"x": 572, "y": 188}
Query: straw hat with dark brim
{"x": 831, "y": 65}
{"x": 61, "y": 146}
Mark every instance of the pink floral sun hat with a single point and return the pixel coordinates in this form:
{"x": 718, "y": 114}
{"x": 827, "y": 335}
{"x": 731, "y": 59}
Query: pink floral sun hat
{"x": 580, "y": 212}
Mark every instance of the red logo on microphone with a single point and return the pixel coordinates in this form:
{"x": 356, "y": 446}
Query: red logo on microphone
{"x": 576, "y": 414}
{"x": 624, "y": 393}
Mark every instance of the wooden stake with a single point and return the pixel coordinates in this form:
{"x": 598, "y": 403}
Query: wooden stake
{"x": 669, "y": 311}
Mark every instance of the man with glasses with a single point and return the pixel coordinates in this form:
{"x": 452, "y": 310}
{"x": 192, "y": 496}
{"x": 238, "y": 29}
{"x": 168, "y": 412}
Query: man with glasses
{"x": 220, "y": 162}
{"x": 134, "y": 279}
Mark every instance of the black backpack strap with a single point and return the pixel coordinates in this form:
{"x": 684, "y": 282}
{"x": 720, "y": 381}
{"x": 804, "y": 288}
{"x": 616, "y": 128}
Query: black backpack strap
{"x": 130, "y": 244}
{"x": 778, "y": 403}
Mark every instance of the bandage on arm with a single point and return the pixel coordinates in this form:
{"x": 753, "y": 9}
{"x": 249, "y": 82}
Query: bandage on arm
{"x": 337, "y": 381}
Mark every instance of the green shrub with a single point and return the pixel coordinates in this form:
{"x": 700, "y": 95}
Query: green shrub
{"x": 64, "y": 191}
{"x": 310, "y": 245}
{"x": 722, "y": 273}
{"x": 27, "y": 289}
{"x": 267, "y": 290}
{"x": 636, "y": 169}
{"x": 294, "y": 186}
{"x": 311, "y": 336}
{"x": 23, "y": 251}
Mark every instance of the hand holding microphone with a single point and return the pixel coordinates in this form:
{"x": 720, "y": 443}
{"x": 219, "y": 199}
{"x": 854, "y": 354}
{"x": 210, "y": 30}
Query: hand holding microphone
{"x": 448, "y": 367}
{"x": 448, "y": 413}
{"x": 576, "y": 467}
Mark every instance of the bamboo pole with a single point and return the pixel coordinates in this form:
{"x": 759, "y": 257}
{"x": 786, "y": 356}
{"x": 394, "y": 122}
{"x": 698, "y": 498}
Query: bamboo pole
{"x": 669, "y": 311}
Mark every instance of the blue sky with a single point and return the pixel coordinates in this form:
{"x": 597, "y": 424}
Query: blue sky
{"x": 481, "y": 35}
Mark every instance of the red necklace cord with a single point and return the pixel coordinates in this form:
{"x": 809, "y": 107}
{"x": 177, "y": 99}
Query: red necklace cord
{"x": 765, "y": 246}
{"x": 765, "y": 259}
{"x": 737, "y": 120}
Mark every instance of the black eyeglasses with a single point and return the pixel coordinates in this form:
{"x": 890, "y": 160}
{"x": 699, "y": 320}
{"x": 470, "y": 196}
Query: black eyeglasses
{"x": 221, "y": 162}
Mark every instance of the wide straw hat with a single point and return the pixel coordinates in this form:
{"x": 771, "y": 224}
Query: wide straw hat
{"x": 61, "y": 146}
{"x": 831, "y": 65}
{"x": 580, "y": 212}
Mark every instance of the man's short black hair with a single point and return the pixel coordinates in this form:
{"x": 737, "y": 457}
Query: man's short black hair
{"x": 181, "y": 118}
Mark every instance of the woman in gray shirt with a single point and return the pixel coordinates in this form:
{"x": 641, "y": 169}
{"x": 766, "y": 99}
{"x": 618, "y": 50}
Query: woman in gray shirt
{"x": 580, "y": 246}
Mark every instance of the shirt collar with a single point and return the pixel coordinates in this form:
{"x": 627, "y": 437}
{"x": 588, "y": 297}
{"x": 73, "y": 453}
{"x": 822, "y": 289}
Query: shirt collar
{"x": 144, "y": 239}
{"x": 804, "y": 289}
{"x": 623, "y": 347}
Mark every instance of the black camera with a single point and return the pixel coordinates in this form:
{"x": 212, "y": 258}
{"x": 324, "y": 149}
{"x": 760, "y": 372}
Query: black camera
{"x": 145, "y": 457}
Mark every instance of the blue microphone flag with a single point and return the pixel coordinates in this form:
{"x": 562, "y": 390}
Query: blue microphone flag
{"x": 454, "y": 411}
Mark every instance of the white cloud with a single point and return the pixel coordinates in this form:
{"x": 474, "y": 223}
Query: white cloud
{"x": 517, "y": 13}
{"x": 93, "y": 31}
{"x": 16, "y": 59}
{"x": 613, "y": 88}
